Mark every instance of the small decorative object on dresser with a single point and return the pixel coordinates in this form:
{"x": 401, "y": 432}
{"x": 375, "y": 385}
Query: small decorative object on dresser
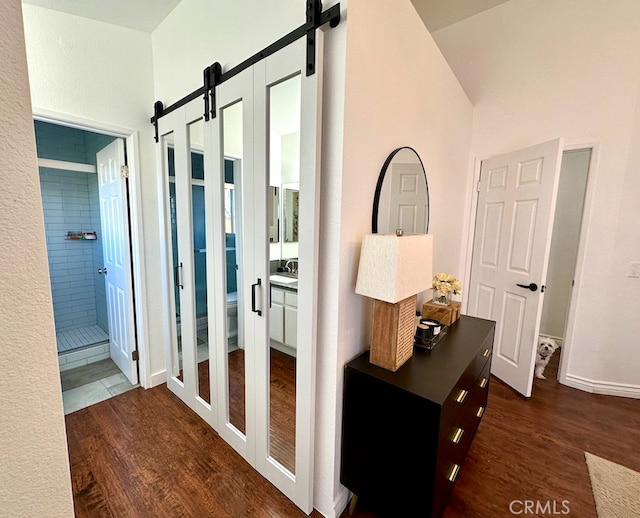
{"x": 442, "y": 308}
{"x": 405, "y": 434}
{"x": 444, "y": 285}
{"x": 447, "y": 315}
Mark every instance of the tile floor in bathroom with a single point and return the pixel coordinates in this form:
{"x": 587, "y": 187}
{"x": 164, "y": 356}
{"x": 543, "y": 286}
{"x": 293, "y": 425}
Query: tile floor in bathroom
{"x": 101, "y": 380}
{"x": 92, "y": 383}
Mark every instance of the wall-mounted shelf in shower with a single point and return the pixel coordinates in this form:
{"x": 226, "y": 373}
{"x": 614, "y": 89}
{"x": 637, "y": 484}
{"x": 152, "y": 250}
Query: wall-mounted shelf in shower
{"x": 75, "y": 235}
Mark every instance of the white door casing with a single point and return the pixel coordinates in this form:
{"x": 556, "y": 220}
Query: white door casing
{"x": 116, "y": 253}
{"x": 512, "y": 239}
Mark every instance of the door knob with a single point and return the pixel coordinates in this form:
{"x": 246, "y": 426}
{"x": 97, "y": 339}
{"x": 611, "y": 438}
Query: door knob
{"x": 533, "y": 286}
{"x": 101, "y": 271}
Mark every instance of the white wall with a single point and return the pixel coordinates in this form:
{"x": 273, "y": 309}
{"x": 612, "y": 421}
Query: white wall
{"x": 399, "y": 91}
{"x": 198, "y": 33}
{"x": 537, "y": 70}
{"x": 90, "y": 69}
{"x": 34, "y": 479}
{"x": 101, "y": 75}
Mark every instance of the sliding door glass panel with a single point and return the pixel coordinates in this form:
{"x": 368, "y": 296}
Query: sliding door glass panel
{"x": 233, "y": 175}
{"x": 168, "y": 152}
{"x": 196, "y": 152}
{"x": 284, "y": 175}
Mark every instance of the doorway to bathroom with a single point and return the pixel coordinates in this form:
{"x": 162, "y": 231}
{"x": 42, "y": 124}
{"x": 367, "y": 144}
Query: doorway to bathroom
{"x": 86, "y": 212}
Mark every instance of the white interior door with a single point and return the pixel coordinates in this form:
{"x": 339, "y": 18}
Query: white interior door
{"x": 248, "y": 128}
{"x": 232, "y": 202}
{"x": 514, "y": 220}
{"x": 116, "y": 253}
{"x": 268, "y": 419}
{"x": 189, "y": 357}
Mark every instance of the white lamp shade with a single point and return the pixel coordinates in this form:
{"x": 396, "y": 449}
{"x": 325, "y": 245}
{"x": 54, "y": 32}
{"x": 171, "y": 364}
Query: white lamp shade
{"x": 393, "y": 268}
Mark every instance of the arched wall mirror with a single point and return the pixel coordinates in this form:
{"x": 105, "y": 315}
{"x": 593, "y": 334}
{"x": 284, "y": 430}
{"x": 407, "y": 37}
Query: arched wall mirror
{"x": 402, "y": 195}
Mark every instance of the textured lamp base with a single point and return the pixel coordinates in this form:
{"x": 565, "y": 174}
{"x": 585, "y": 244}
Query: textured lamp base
{"x": 393, "y": 333}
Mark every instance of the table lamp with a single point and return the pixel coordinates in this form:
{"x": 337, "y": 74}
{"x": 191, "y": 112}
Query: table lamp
{"x": 393, "y": 269}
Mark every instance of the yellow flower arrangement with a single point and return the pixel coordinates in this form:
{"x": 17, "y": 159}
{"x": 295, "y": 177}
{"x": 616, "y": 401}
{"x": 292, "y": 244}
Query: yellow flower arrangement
{"x": 445, "y": 284}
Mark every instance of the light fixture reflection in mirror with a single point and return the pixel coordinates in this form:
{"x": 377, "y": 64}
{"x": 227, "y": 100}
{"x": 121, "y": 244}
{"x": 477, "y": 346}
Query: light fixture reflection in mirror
{"x": 402, "y": 195}
{"x": 274, "y": 209}
{"x": 291, "y": 214}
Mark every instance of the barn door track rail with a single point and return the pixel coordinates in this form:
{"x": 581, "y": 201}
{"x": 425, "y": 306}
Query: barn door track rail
{"x": 214, "y": 76}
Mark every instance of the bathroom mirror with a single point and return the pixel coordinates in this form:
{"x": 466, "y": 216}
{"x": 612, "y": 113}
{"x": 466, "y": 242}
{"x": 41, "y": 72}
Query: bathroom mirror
{"x": 291, "y": 202}
{"x": 274, "y": 210}
{"x": 402, "y": 195}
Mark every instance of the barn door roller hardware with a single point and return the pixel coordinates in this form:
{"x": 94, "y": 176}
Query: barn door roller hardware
{"x": 213, "y": 75}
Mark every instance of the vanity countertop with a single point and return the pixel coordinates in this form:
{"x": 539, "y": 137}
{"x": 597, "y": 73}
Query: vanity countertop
{"x": 281, "y": 281}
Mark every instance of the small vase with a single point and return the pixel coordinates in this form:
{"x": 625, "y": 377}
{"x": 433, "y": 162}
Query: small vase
{"x": 442, "y": 300}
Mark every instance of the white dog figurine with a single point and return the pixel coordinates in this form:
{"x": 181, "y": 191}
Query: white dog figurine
{"x": 546, "y": 347}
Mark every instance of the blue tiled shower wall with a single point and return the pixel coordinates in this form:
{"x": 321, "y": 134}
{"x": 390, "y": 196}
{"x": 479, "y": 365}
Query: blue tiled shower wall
{"x": 70, "y": 202}
{"x": 199, "y": 234}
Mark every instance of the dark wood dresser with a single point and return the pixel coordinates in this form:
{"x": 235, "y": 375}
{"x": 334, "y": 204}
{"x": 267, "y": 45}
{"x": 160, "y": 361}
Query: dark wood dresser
{"x": 405, "y": 434}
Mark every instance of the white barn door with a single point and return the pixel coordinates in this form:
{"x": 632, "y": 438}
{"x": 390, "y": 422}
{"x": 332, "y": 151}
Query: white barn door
{"x": 514, "y": 220}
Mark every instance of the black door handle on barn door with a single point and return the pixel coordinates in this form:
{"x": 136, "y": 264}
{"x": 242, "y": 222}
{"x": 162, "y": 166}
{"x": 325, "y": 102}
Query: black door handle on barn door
{"x": 533, "y": 286}
{"x": 253, "y": 297}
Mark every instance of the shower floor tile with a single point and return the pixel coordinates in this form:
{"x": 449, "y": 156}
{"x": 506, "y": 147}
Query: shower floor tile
{"x": 80, "y": 337}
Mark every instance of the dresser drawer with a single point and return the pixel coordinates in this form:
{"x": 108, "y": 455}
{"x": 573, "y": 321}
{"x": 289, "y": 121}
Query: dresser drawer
{"x": 447, "y": 471}
{"x": 459, "y": 425}
{"x": 472, "y": 377}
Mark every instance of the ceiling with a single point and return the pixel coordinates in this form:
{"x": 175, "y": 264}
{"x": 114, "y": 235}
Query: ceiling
{"x": 141, "y": 15}
{"x": 437, "y": 14}
{"x": 146, "y": 15}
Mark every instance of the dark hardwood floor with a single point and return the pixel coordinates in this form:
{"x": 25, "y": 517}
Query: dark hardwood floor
{"x": 282, "y": 402}
{"x": 145, "y": 454}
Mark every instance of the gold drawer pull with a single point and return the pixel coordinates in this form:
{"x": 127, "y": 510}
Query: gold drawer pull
{"x": 453, "y": 473}
{"x": 486, "y": 353}
{"x": 480, "y": 411}
{"x": 483, "y": 382}
{"x": 457, "y": 435}
{"x": 461, "y": 395}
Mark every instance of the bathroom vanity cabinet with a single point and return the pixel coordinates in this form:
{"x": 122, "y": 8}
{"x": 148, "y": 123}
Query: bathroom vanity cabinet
{"x": 283, "y": 317}
{"x": 405, "y": 434}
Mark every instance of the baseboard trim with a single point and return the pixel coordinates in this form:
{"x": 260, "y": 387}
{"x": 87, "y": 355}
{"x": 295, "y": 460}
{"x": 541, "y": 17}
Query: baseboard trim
{"x": 341, "y": 501}
{"x": 158, "y": 378}
{"x": 603, "y": 387}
